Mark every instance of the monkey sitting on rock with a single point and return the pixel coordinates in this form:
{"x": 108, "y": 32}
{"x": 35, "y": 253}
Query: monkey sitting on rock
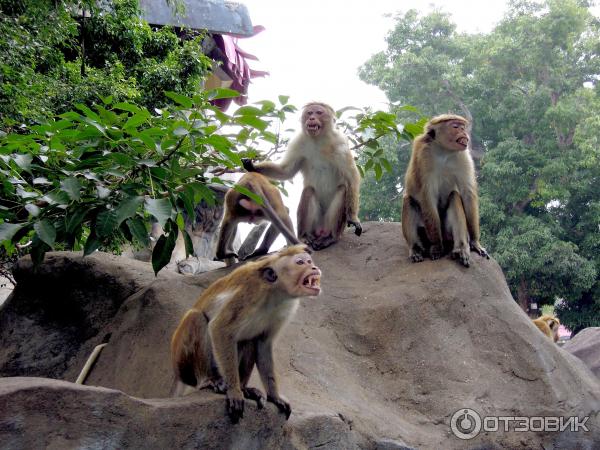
{"x": 233, "y": 326}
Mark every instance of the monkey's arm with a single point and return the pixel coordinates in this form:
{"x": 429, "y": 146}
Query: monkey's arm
{"x": 224, "y": 347}
{"x": 266, "y": 369}
{"x": 471, "y": 206}
{"x": 289, "y": 166}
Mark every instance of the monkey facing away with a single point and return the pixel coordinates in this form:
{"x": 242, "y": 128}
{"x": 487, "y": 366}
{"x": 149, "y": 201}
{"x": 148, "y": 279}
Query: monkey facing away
{"x": 330, "y": 197}
{"x": 240, "y": 208}
{"x": 440, "y": 204}
{"x": 548, "y": 325}
{"x": 234, "y": 323}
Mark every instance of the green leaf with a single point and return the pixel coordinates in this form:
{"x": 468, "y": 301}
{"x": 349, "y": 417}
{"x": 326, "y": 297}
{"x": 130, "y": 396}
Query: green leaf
{"x": 180, "y": 222}
{"x": 189, "y": 245}
{"x": 136, "y": 120}
{"x": 160, "y": 209}
{"x": 127, "y": 208}
{"x": 378, "y": 171}
{"x": 23, "y": 161}
{"x": 138, "y": 230}
{"x": 127, "y": 107}
{"x": 72, "y": 187}
{"x": 74, "y": 219}
{"x": 180, "y": 131}
{"x": 252, "y": 121}
{"x": 181, "y": 99}
{"x": 91, "y": 244}
{"x": 32, "y": 209}
{"x": 283, "y": 99}
{"x": 8, "y": 230}
{"x": 161, "y": 254}
{"x": 360, "y": 170}
{"x": 106, "y": 223}
{"x": 45, "y": 231}
{"x": 219, "y": 93}
{"x": 255, "y": 198}
{"x": 385, "y": 163}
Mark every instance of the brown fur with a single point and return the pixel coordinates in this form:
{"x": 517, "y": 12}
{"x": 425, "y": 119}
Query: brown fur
{"x": 240, "y": 208}
{"x": 440, "y": 202}
{"x": 330, "y": 198}
{"x": 548, "y": 325}
{"x": 234, "y": 323}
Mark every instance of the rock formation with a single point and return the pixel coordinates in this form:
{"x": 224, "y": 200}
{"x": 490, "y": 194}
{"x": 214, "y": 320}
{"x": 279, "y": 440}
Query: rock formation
{"x": 381, "y": 360}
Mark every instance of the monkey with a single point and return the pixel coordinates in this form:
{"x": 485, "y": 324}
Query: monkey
{"x": 233, "y": 326}
{"x": 240, "y": 208}
{"x": 440, "y": 203}
{"x": 330, "y": 195}
{"x": 548, "y": 325}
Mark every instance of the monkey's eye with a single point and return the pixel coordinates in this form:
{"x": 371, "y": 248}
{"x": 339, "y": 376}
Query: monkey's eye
{"x": 299, "y": 262}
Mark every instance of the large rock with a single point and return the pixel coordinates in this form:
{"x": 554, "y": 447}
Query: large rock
{"x": 586, "y": 346}
{"x": 385, "y": 356}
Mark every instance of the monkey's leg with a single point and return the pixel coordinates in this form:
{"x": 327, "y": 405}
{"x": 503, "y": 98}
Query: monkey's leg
{"x": 411, "y": 219}
{"x": 270, "y": 236}
{"x": 433, "y": 227}
{"x": 456, "y": 226}
{"x": 226, "y": 237}
{"x": 247, "y": 352}
{"x": 266, "y": 370}
{"x": 334, "y": 220}
{"x": 308, "y": 213}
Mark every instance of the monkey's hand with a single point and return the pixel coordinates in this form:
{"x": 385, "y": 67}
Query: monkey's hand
{"x": 235, "y": 405}
{"x": 248, "y": 165}
{"x": 282, "y": 405}
{"x": 477, "y": 248}
{"x": 357, "y": 226}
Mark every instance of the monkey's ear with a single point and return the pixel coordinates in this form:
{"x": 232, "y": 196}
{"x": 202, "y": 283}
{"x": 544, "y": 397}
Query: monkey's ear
{"x": 430, "y": 136}
{"x": 308, "y": 249}
{"x": 268, "y": 274}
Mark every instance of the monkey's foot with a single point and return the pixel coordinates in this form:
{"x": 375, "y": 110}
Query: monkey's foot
{"x": 416, "y": 255}
{"x": 216, "y": 384}
{"x": 462, "y": 255}
{"x": 235, "y": 407}
{"x": 283, "y": 406}
{"x": 323, "y": 242}
{"x": 254, "y": 394}
{"x": 357, "y": 227}
{"x": 477, "y": 248}
{"x": 435, "y": 252}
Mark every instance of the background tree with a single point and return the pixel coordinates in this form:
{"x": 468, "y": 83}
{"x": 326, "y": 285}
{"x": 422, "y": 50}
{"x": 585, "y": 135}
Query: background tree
{"x": 53, "y": 59}
{"x": 531, "y": 87}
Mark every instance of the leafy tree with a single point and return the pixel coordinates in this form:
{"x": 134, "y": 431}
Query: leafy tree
{"x": 52, "y": 58}
{"x": 531, "y": 88}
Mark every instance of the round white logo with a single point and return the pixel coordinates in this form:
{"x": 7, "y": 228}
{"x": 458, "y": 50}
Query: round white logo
{"x": 465, "y": 423}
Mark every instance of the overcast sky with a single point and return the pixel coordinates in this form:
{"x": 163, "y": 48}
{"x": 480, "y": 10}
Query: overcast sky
{"x": 313, "y": 49}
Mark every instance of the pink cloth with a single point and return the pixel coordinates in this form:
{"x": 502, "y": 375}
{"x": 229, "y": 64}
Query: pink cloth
{"x": 235, "y": 65}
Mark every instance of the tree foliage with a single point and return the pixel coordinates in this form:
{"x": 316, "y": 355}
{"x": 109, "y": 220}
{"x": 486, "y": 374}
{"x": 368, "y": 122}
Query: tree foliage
{"x": 56, "y": 54}
{"x": 531, "y": 88}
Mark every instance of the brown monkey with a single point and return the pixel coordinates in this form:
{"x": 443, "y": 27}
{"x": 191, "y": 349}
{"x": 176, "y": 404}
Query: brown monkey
{"x": 240, "y": 208}
{"x": 234, "y": 323}
{"x": 548, "y": 325}
{"x": 330, "y": 196}
{"x": 440, "y": 204}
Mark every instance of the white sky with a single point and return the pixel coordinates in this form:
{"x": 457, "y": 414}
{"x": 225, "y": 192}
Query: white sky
{"x": 313, "y": 49}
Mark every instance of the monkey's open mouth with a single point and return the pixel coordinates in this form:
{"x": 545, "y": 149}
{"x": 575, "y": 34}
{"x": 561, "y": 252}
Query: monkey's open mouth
{"x": 312, "y": 281}
{"x": 313, "y": 127}
{"x": 463, "y": 141}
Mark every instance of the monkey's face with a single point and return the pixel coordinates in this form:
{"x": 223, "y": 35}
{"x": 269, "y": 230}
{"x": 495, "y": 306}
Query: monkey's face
{"x": 316, "y": 119}
{"x": 453, "y": 135}
{"x": 296, "y": 274}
